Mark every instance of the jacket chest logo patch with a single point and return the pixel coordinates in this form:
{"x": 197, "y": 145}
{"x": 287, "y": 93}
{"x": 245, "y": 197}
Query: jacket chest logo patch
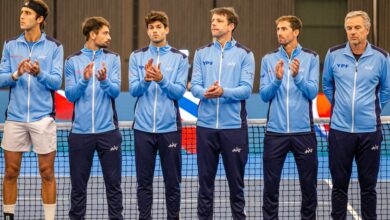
{"x": 342, "y": 65}
{"x": 231, "y": 64}
{"x": 207, "y": 63}
{"x": 16, "y": 57}
{"x": 41, "y": 57}
{"x": 368, "y": 67}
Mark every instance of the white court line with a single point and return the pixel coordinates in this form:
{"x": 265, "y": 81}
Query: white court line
{"x": 350, "y": 209}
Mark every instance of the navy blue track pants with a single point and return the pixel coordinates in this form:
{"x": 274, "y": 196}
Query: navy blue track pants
{"x": 81, "y": 150}
{"x": 304, "y": 149}
{"x": 232, "y": 144}
{"x": 343, "y": 148}
{"x": 168, "y": 145}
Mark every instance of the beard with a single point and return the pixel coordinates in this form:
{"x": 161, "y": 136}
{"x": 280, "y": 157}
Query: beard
{"x": 103, "y": 45}
{"x": 284, "y": 42}
{"x": 218, "y": 34}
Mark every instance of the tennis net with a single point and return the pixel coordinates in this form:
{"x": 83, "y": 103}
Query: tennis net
{"x": 29, "y": 205}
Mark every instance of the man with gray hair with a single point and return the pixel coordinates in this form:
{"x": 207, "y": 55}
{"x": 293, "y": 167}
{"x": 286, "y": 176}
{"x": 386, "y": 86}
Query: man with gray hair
{"x": 356, "y": 82}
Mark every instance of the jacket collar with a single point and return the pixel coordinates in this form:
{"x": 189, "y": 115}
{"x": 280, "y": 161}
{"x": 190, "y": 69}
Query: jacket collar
{"x": 294, "y": 54}
{"x": 228, "y": 45}
{"x": 92, "y": 53}
{"x": 21, "y": 38}
{"x": 367, "y": 52}
{"x": 160, "y": 50}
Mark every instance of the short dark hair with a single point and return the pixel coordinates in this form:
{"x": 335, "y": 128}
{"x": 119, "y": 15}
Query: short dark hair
{"x": 229, "y": 12}
{"x": 93, "y": 24}
{"x": 40, "y": 7}
{"x": 295, "y": 22}
{"x": 157, "y": 16}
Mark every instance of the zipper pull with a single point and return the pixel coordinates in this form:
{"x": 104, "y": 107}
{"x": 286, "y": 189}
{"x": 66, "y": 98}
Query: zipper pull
{"x": 158, "y": 56}
{"x": 93, "y": 56}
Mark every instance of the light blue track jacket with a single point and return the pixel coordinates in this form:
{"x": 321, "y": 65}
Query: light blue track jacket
{"x": 31, "y": 98}
{"x": 233, "y": 67}
{"x": 94, "y": 100}
{"x": 157, "y": 108}
{"x": 290, "y": 99}
{"x": 357, "y": 90}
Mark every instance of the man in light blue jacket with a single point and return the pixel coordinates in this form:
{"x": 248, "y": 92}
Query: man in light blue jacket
{"x": 31, "y": 66}
{"x": 158, "y": 78}
{"x": 289, "y": 82}
{"x": 92, "y": 82}
{"x": 356, "y": 81}
{"x": 222, "y": 79}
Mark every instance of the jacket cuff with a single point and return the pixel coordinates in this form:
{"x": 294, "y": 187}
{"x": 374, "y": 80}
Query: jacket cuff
{"x": 104, "y": 82}
{"x": 41, "y": 76}
{"x": 199, "y": 93}
{"x": 10, "y": 80}
{"x": 163, "y": 83}
{"x": 83, "y": 82}
{"x": 144, "y": 83}
{"x": 298, "y": 78}
{"x": 227, "y": 93}
{"x": 277, "y": 82}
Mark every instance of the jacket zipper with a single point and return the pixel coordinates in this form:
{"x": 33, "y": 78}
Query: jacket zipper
{"x": 29, "y": 83}
{"x": 353, "y": 97}
{"x": 287, "y": 101}
{"x": 93, "y": 93}
{"x": 219, "y": 81}
{"x": 155, "y": 96}
{"x": 288, "y": 88}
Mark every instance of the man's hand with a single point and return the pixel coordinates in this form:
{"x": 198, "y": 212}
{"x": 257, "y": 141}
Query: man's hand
{"x": 153, "y": 72}
{"x": 149, "y": 71}
{"x": 21, "y": 69}
{"x": 279, "y": 69}
{"x": 157, "y": 75}
{"x": 102, "y": 73}
{"x": 214, "y": 91}
{"x": 88, "y": 71}
{"x": 35, "y": 68}
{"x": 294, "y": 67}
